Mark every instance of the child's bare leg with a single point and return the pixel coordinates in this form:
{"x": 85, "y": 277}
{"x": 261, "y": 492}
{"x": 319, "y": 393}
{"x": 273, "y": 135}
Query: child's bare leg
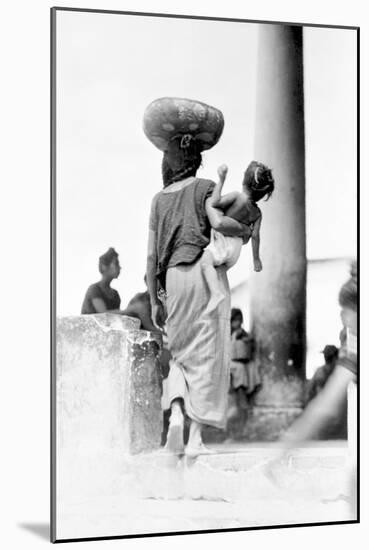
{"x": 211, "y": 277}
{"x": 217, "y": 191}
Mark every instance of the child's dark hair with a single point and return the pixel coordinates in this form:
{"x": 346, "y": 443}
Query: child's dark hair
{"x": 106, "y": 259}
{"x": 182, "y": 159}
{"x": 348, "y": 294}
{"x": 236, "y": 313}
{"x": 258, "y": 181}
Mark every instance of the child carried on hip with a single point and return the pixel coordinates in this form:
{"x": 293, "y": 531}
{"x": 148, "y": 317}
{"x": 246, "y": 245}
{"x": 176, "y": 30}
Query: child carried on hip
{"x": 242, "y": 206}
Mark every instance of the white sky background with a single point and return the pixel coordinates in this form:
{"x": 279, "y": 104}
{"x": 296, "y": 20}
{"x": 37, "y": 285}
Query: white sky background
{"x": 109, "y": 67}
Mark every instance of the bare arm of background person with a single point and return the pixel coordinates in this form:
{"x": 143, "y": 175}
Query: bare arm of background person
{"x": 322, "y": 410}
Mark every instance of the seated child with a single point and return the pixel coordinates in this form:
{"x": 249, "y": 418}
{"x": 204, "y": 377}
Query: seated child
{"x": 258, "y": 182}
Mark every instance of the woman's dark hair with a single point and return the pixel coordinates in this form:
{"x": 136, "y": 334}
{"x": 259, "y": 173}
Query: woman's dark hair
{"x": 258, "y": 181}
{"x": 181, "y": 159}
{"x": 236, "y": 314}
{"x": 106, "y": 259}
{"x": 348, "y": 294}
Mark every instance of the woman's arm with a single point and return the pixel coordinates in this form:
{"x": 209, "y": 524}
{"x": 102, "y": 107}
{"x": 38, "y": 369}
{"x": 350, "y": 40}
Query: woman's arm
{"x": 224, "y": 224}
{"x": 146, "y": 321}
{"x": 227, "y": 200}
{"x": 151, "y": 264}
{"x": 151, "y": 268}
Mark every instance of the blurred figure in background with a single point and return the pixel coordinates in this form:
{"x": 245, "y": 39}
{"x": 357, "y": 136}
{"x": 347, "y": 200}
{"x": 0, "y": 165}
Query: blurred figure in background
{"x": 240, "y": 354}
{"x": 321, "y": 375}
{"x": 245, "y": 378}
{"x": 330, "y": 401}
{"x": 140, "y": 307}
{"x": 337, "y": 429}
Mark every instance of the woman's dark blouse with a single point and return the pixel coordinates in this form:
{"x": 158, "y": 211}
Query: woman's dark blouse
{"x": 111, "y": 299}
{"x": 181, "y": 225}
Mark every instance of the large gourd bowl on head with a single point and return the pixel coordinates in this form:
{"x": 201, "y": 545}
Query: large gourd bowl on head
{"x": 169, "y": 117}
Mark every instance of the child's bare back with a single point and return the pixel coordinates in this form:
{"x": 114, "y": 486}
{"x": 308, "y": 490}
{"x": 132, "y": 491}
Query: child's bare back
{"x": 236, "y": 205}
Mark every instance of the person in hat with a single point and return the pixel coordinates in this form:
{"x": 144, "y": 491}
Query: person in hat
{"x": 258, "y": 183}
{"x": 321, "y": 375}
{"x": 198, "y": 340}
{"x": 101, "y": 297}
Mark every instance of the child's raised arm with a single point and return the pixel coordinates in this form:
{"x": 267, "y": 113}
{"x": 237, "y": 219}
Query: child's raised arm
{"x": 216, "y": 199}
{"x": 217, "y": 192}
{"x": 258, "y": 266}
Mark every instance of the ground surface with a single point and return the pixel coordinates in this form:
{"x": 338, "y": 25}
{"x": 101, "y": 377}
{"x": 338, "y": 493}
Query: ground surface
{"x": 229, "y": 489}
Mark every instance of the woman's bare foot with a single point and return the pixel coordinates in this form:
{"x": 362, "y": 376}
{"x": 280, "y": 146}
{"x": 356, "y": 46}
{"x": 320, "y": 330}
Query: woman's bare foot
{"x": 195, "y": 446}
{"x": 193, "y": 451}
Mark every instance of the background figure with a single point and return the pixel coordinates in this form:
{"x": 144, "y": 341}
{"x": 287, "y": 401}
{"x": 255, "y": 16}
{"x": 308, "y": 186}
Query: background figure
{"x": 321, "y": 375}
{"x": 324, "y": 409}
{"x": 140, "y": 307}
{"x": 100, "y": 297}
{"x": 337, "y": 428}
{"x": 244, "y": 377}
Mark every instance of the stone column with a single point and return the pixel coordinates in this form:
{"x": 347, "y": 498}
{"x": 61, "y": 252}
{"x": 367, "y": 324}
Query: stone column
{"x": 278, "y": 293}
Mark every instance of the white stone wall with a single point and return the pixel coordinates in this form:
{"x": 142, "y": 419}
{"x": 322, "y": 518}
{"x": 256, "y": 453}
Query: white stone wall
{"x": 108, "y": 391}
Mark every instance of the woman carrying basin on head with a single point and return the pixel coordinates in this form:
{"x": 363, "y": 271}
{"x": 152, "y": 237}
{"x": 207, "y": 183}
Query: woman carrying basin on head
{"x": 180, "y": 223}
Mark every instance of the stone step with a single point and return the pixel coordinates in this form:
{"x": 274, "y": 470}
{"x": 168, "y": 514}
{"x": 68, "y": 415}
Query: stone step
{"x": 235, "y": 457}
{"x": 232, "y": 474}
{"x": 154, "y": 492}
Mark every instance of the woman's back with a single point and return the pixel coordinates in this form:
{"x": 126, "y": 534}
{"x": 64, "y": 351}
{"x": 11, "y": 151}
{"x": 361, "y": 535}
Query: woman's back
{"x": 179, "y": 220}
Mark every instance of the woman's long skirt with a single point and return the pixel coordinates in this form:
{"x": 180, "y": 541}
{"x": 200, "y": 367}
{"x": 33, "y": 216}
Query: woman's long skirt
{"x": 199, "y": 342}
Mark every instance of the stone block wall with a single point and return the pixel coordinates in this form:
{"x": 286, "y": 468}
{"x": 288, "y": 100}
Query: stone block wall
{"x": 108, "y": 392}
